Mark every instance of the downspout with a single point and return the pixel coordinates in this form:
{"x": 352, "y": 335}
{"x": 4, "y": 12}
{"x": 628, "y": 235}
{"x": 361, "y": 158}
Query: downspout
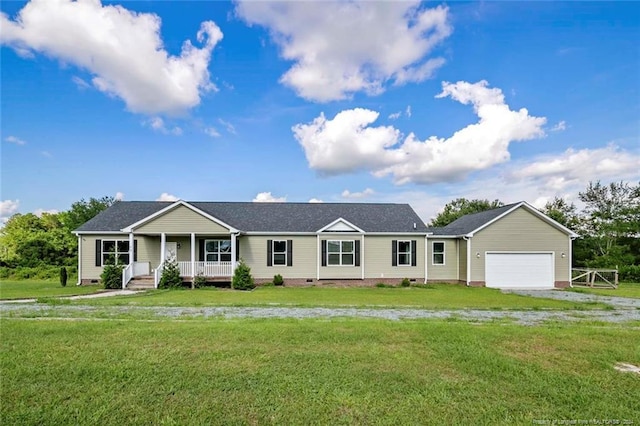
{"x": 468, "y": 240}
{"x": 79, "y": 260}
{"x": 571, "y": 238}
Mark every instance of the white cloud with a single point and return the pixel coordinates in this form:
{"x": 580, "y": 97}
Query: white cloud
{"x": 560, "y": 126}
{"x": 7, "y": 209}
{"x": 408, "y": 111}
{"x": 349, "y": 143}
{"x": 227, "y": 126}
{"x": 266, "y": 197}
{"x": 355, "y": 195}
{"x": 119, "y": 196}
{"x": 315, "y": 200}
{"x": 80, "y": 83}
{"x": 158, "y": 124}
{"x": 340, "y": 48}
{"x": 211, "y": 131}
{"x": 122, "y": 50}
{"x": 40, "y": 212}
{"x": 395, "y": 115}
{"x": 559, "y": 172}
{"x": 15, "y": 140}
{"x": 46, "y": 154}
{"x": 165, "y": 196}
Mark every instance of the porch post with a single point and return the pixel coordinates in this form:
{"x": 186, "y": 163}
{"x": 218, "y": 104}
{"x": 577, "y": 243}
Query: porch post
{"x": 163, "y": 241}
{"x": 233, "y": 252}
{"x": 131, "y": 243}
{"x": 193, "y": 258}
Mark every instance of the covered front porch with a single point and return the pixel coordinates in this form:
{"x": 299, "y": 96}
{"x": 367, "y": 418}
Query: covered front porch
{"x": 212, "y": 256}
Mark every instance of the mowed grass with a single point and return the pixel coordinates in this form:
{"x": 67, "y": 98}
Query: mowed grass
{"x": 624, "y": 290}
{"x": 440, "y": 296}
{"x": 33, "y": 289}
{"x": 313, "y": 372}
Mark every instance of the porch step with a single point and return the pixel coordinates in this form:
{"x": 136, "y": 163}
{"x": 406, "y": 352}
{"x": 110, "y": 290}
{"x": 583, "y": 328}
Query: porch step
{"x": 141, "y": 282}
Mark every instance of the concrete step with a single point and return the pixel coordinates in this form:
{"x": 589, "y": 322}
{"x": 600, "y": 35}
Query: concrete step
{"x": 137, "y": 285}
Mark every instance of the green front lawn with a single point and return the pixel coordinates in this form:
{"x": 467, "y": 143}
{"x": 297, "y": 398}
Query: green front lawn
{"x": 441, "y": 296}
{"x": 27, "y": 289}
{"x": 623, "y": 290}
{"x": 313, "y": 372}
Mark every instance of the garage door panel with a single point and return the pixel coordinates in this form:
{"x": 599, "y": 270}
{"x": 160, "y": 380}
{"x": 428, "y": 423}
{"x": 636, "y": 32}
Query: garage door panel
{"x": 519, "y": 270}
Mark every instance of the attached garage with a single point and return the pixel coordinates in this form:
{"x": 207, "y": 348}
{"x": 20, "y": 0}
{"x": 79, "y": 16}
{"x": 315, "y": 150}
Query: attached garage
{"x": 519, "y": 270}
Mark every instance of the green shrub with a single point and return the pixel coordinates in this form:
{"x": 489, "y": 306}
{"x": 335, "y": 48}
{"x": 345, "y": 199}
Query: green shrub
{"x": 63, "y": 276}
{"x": 267, "y": 284}
{"x": 629, "y": 273}
{"x": 405, "y": 283}
{"x": 278, "y": 280}
{"x": 111, "y": 276}
{"x": 200, "y": 280}
{"x": 242, "y": 279}
{"x": 170, "y": 275}
{"x": 384, "y": 285}
{"x": 42, "y": 272}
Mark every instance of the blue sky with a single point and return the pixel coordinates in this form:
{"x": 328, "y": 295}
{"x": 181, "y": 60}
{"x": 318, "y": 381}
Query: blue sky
{"x": 324, "y": 101}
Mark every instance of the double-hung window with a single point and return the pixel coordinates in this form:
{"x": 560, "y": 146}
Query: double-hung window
{"x": 279, "y": 252}
{"x": 404, "y": 253}
{"x": 438, "y": 253}
{"x": 115, "y": 252}
{"x": 340, "y": 253}
{"x": 217, "y": 250}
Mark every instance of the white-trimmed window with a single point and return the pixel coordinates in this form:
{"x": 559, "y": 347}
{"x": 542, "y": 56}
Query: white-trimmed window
{"x": 340, "y": 253}
{"x": 115, "y": 252}
{"x": 279, "y": 252}
{"x": 217, "y": 250}
{"x": 404, "y": 253}
{"x": 437, "y": 253}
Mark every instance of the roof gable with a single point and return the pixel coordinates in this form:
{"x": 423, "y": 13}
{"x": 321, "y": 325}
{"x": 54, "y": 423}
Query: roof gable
{"x": 340, "y": 225}
{"x": 180, "y": 217}
{"x": 472, "y": 223}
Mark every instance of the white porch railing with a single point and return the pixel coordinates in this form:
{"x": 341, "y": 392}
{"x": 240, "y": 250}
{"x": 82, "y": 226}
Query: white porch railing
{"x": 157, "y": 274}
{"x": 208, "y": 269}
{"x": 127, "y": 274}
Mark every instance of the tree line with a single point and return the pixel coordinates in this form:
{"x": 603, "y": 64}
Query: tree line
{"x": 608, "y": 223}
{"x": 33, "y": 246}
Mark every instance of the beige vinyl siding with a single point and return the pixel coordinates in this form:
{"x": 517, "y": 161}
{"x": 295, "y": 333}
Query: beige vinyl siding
{"x": 462, "y": 260}
{"x": 148, "y": 250}
{"x": 88, "y": 262}
{"x": 253, "y": 250}
{"x": 448, "y": 271}
{"x": 182, "y": 220}
{"x": 378, "y": 254}
{"x": 520, "y": 231}
{"x": 342, "y": 272}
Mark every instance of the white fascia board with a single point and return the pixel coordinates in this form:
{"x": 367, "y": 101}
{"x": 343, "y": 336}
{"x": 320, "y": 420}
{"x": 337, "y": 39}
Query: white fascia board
{"x": 346, "y": 222}
{"x": 443, "y": 237}
{"x": 100, "y": 233}
{"x": 170, "y": 207}
{"x": 248, "y": 233}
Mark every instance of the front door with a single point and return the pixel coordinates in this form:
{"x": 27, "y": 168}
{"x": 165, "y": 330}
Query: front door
{"x": 171, "y": 250}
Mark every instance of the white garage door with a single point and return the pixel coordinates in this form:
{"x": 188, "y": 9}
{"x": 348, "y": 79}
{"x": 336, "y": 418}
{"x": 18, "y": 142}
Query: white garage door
{"x": 519, "y": 270}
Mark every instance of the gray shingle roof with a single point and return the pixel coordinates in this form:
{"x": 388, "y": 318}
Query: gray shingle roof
{"x": 471, "y": 222}
{"x": 271, "y": 217}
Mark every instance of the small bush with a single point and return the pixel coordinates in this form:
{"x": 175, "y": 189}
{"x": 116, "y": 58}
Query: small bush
{"x": 278, "y": 280}
{"x": 629, "y": 273}
{"x": 63, "y": 276}
{"x": 200, "y": 280}
{"x": 242, "y": 279}
{"x": 170, "y": 275}
{"x": 267, "y": 284}
{"x": 384, "y": 285}
{"x": 111, "y": 276}
{"x": 405, "y": 283}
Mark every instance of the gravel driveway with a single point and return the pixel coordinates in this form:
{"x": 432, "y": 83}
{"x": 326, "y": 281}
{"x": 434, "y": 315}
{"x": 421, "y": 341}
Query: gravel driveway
{"x": 617, "y": 302}
{"x": 529, "y": 317}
